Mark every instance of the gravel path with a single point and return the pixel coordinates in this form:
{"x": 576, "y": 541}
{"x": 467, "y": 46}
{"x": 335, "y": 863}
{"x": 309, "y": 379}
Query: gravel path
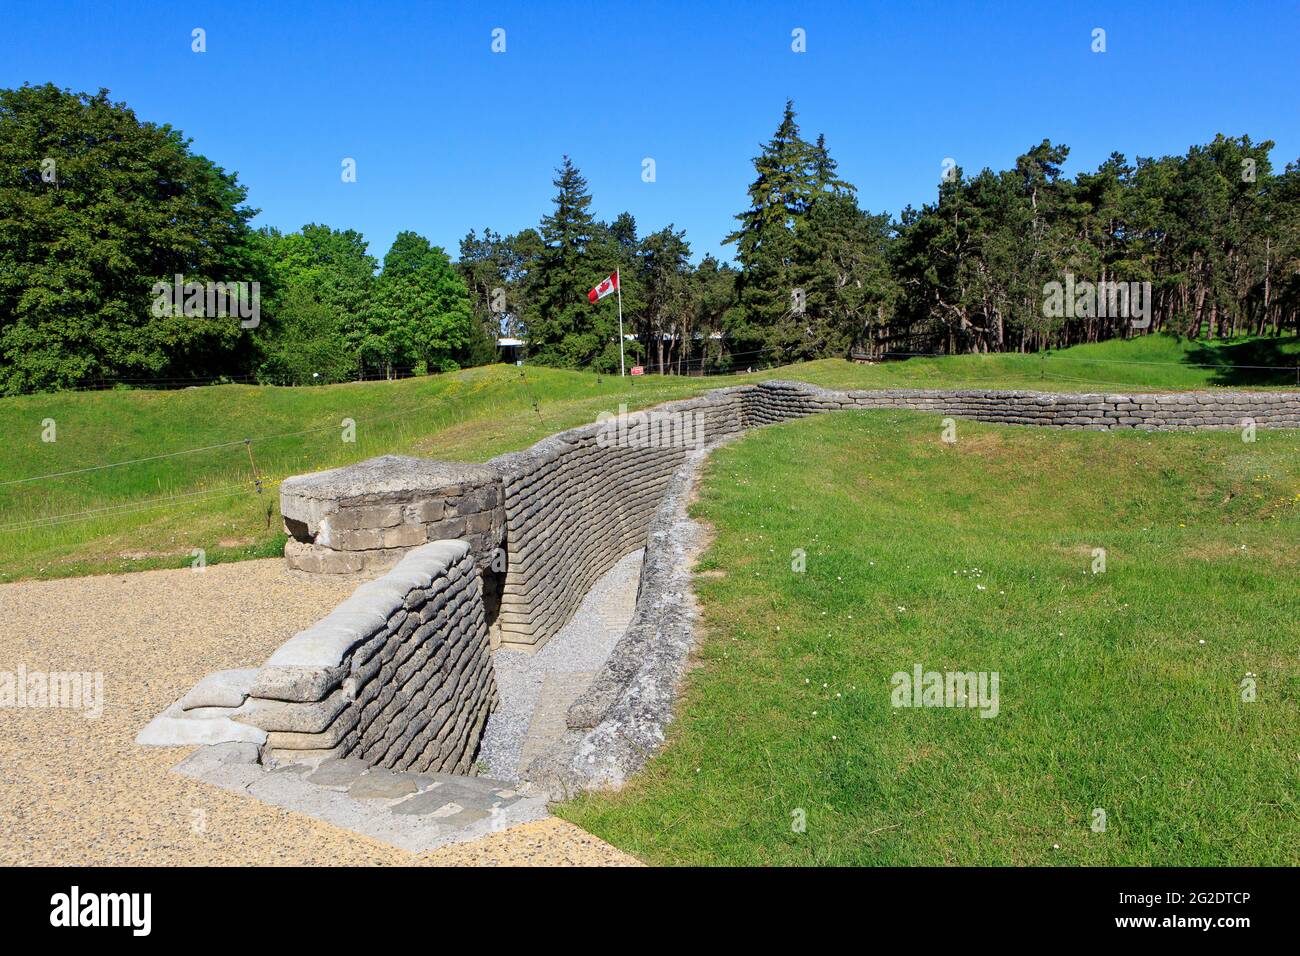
{"x": 77, "y": 791}
{"x": 536, "y": 689}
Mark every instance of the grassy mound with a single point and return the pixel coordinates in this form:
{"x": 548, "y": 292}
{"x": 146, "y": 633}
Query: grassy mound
{"x": 186, "y": 477}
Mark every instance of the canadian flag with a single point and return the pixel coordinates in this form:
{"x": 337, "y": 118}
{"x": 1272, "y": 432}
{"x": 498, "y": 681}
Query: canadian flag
{"x": 604, "y": 288}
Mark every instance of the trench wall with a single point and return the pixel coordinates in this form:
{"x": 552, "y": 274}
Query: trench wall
{"x": 579, "y": 501}
{"x": 771, "y": 402}
{"x": 576, "y": 504}
{"x": 398, "y": 675}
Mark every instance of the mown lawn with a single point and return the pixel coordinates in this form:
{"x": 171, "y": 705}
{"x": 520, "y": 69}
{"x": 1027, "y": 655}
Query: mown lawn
{"x": 1153, "y": 362}
{"x": 1120, "y": 691}
{"x": 167, "y": 498}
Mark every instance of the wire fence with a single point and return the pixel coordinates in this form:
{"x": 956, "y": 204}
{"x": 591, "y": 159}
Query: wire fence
{"x": 101, "y": 383}
{"x": 728, "y": 364}
{"x": 1095, "y": 361}
{"x": 254, "y": 486}
{"x": 127, "y": 507}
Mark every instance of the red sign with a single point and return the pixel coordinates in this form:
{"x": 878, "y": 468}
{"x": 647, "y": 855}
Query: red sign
{"x": 638, "y": 370}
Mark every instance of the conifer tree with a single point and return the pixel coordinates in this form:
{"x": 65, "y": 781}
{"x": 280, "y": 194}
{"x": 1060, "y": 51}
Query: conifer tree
{"x": 824, "y": 175}
{"x": 778, "y": 197}
{"x": 563, "y": 328}
{"x": 794, "y": 239}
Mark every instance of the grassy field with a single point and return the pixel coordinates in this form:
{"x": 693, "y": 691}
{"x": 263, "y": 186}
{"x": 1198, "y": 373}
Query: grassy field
{"x": 1120, "y": 691}
{"x": 1155, "y": 362}
{"x": 182, "y": 477}
{"x": 170, "y": 498}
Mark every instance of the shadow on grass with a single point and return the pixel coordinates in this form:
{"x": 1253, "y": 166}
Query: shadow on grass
{"x": 1252, "y": 362}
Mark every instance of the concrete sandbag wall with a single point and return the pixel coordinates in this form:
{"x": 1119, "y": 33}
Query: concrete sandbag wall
{"x": 579, "y": 501}
{"x": 622, "y": 717}
{"x": 398, "y": 675}
{"x": 777, "y": 401}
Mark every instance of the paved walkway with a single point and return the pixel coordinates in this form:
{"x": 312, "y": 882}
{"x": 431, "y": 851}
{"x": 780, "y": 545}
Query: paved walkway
{"x": 76, "y": 790}
{"x": 537, "y": 689}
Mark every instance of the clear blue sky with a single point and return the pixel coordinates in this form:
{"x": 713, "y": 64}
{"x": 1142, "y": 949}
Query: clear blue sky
{"x": 448, "y": 135}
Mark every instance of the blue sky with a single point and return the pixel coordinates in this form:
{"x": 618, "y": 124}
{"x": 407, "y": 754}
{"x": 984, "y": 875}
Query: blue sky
{"x": 448, "y": 135}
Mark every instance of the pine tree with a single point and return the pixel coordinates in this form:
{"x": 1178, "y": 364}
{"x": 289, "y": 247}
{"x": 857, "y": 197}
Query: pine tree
{"x": 563, "y": 329}
{"x": 844, "y": 271}
{"x": 801, "y": 243}
{"x": 668, "y": 310}
{"x": 824, "y": 176}
{"x": 765, "y": 242}
{"x": 780, "y": 193}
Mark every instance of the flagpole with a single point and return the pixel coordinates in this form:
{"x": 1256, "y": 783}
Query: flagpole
{"x": 618, "y": 285}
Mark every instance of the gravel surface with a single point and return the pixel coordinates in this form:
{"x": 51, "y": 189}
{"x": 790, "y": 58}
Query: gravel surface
{"x": 580, "y": 647}
{"x": 77, "y": 791}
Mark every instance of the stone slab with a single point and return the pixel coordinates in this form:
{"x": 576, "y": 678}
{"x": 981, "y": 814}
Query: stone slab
{"x": 388, "y": 475}
{"x": 442, "y": 809}
{"x": 176, "y": 728}
{"x": 548, "y": 726}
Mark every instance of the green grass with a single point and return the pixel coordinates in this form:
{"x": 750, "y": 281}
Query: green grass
{"x": 978, "y": 556}
{"x": 1155, "y": 362}
{"x": 152, "y": 513}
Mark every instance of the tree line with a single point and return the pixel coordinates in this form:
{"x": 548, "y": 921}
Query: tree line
{"x": 96, "y": 207}
{"x": 99, "y": 211}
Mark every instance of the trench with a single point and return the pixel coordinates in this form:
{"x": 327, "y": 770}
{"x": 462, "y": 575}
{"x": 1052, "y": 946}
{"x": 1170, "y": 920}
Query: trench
{"x": 539, "y": 636}
{"x": 535, "y": 690}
